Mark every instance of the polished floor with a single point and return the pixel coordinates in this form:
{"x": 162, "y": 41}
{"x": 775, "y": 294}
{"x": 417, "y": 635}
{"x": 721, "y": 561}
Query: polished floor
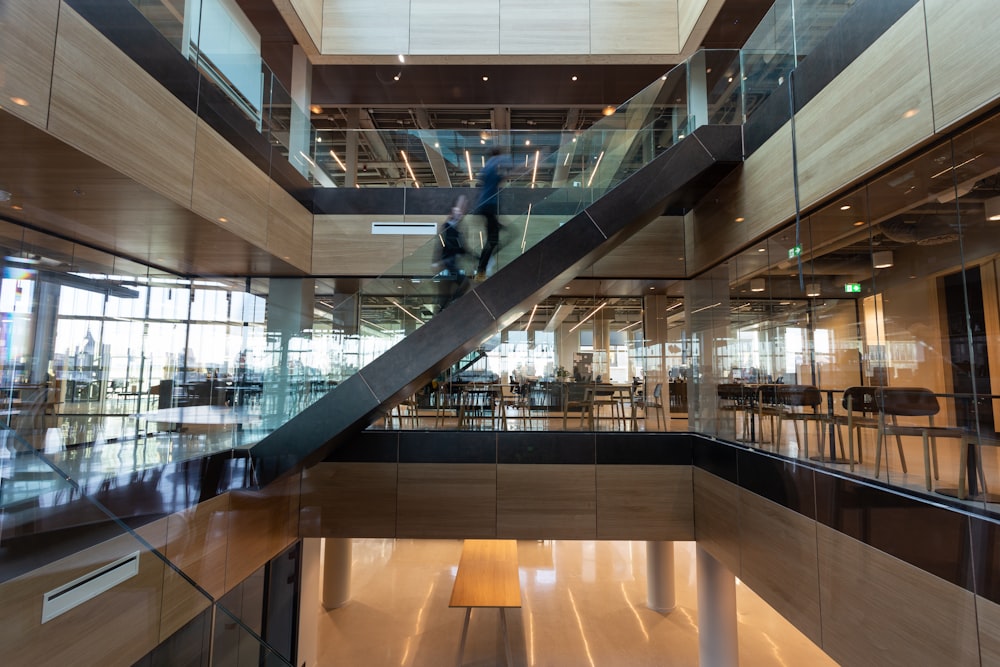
{"x": 583, "y": 604}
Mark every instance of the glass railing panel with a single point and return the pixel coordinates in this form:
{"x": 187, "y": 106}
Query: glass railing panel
{"x": 59, "y": 524}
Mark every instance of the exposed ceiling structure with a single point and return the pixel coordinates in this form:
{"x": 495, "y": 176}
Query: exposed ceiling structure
{"x": 468, "y": 99}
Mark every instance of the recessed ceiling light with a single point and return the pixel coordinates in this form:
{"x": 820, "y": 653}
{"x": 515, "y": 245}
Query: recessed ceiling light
{"x": 223, "y": 219}
{"x": 4, "y": 195}
{"x": 910, "y": 113}
{"x": 486, "y": 78}
{"x": 859, "y": 223}
{"x": 17, "y": 207}
{"x": 573, "y": 78}
{"x": 527, "y": 142}
{"x": 608, "y": 111}
{"x": 20, "y": 101}
{"x": 740, "y": 219}
{"x": 395, "y": 78}
{"x": 402, "y": 59}
{"x": 316, "y": 109}
{"x": 845, "y": 207}
{"x": 761, "y": 249}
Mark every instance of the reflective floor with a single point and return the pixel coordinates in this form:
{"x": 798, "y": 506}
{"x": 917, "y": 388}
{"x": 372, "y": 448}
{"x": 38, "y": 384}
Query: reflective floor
{"x": 583, "y": 603}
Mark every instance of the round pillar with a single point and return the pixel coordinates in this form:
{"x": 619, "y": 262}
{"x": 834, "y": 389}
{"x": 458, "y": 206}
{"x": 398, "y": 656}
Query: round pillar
{"x": 718, "y": 644}
{"x": 660, "y": 576}
{"x": 337, "y": 555}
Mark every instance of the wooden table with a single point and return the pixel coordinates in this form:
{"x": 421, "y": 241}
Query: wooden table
{"x": 487, "y": 577}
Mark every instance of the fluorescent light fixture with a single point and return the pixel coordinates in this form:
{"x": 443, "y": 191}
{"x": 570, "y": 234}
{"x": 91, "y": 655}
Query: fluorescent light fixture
{"x": 634, "y": 324}
{"x": 992, "y": 207}
{"x": 714, "y": 305}
{"x": 812, "y": 289}
{"x": 398, "y": 305}
{"x": 594, "y": 173}
{"x": 758, "y": 285}
{"x": 882, "y": 259}
{"x": 468, "y": 163}
{"x": 406, "y": 161}
{"x": 531, "y": 318}
{"x": 339, "y": 163}
{"x": 592, "y": 313}
{"x": 524, "y": 234}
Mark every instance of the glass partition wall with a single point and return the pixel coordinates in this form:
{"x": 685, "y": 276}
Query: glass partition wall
{"x": 892, "y": 285}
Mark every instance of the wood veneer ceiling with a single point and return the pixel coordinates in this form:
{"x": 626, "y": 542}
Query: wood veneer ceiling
{"x": 62, "y": 191}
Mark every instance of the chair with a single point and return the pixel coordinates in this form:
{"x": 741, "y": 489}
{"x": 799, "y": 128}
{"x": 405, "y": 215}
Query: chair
{"x": 655, "y": 403}
{"x": 604, "y": 395}
{"x": 408, "y": 408}
{"x": 794, "y": 401}
{"x": 731, "y": 399}
{"x": 862, "y": 412}
{"x": 766, "y": 404}
{"x": 573, "y": 400}
{"x": 898, "y": 402}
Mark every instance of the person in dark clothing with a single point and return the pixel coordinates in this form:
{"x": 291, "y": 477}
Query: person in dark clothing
{"x": 450, "y": 247}
{"x": 488, "y": 206}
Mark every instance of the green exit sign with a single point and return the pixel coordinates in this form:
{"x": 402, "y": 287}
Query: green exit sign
{"x": 853, "y": 288}
{"x": 794, "y": 252}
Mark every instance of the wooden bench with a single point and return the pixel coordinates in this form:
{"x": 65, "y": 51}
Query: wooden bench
{"x": 487, "y": 577}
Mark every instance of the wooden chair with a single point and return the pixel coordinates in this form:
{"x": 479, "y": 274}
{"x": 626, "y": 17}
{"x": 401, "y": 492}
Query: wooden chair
{"x": 862, "y": 412}
{"x": 801, "y": 403}
{"x": 604, "y": 395}
{"x": 731, "y": 399}
{"x": 584, "y": 404}
{"x": 654, "y": 402}
{"x": 766, "y": 404}
{"x": 896, "y": 402}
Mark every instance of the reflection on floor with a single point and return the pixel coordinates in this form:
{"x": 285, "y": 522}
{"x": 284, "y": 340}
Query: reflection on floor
{"x": 584, "y": 603}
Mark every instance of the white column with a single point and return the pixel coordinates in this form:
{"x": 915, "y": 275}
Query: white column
{"x": 660, "y": 576}
{"x": 697, "y": 90}
{"x": 336, "y": 572}
{"x": 718, "y": 644}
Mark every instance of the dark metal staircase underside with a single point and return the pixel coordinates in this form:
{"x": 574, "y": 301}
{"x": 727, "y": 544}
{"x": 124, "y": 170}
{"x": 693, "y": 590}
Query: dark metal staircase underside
{"x": 678, "y": 177}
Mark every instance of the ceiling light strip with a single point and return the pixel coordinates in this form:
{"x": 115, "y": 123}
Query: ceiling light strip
{"x": 524, "y": 234}
{"x": 531, "y": 318}
{"x": 592, "y": 313}
{"x": 594, "y": 173}
{"x": 398, "y": 305}
{"x": 406, "y": 161}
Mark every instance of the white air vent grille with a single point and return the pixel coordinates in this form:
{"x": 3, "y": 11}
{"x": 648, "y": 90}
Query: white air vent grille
{"x": 407, "y": 228}
{"x": 60, "y": 600}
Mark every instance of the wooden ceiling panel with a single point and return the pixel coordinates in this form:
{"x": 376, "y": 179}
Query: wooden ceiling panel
{"x": 57, "y": 189}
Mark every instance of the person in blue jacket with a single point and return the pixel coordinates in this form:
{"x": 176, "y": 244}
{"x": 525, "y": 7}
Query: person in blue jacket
{"x": 490, "y": 180}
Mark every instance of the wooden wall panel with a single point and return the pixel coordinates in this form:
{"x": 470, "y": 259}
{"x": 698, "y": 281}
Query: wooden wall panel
{"x": 365, "y": 27}
{"x": 642, "y": 502}
{"x": 289, "y": 228}
{"x": 557, "y": 26}
{"x": 640, "y": 26}
{"x": 442, "y": 500}
{"x": 688, "y": 13}
{"x": 988, "y": 615}
{"x": 778, "y": 560}
{"x": 344, "y": 245}
{"x": 197, "y": 542}
{"x": 655, "y": 251}
{"x": 876, "y": 109}
{"x": 258, "y": 530}
{"x": 310, "y": 14}
{"x": 228, "y": 189}
{"x": 450, "y": 28}
{"x": 878, "y": 610}
{"x": 964, "y": 53}
{"x": 26, "y": 53}
{"x": 546, "y": 501}
{"x": 761, "y": 192}
{"x": 716, "y": 518}
{"x": 349, "y": 500}
{"x": 117, "y": 627}
{"x": 98, "y": 92}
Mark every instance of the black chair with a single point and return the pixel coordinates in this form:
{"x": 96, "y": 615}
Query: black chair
{"x": 862, "y": 412}
{"x": 801, "y": 403}
{"x": 896, "y": 402}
